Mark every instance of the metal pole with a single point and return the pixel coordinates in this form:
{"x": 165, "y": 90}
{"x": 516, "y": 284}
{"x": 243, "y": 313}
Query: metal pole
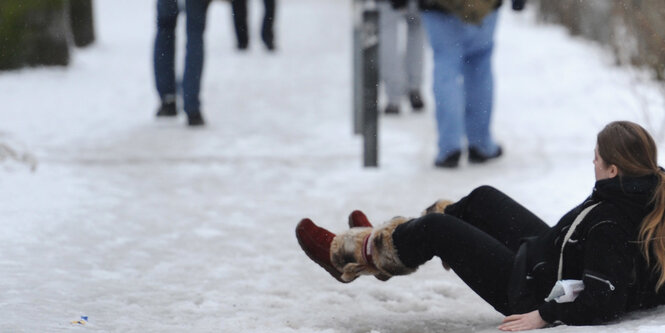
{"x": 370, "y": 82}
{"x": 357, "y": 67}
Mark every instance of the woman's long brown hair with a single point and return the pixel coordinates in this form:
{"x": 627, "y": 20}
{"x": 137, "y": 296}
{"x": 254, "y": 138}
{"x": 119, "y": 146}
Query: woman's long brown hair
{"x": 630, "y": 147}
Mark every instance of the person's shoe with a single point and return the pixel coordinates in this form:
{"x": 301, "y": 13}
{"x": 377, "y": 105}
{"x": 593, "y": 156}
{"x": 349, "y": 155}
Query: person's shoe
{"x": 368, "y": 251}
{"x": 357, "y": 251}
{"x": 195, "y": 118}
{"x": 167, "y": 109}
{"x": 315, "y": 241}
{"x": 268, "y": 38}
{"x": 416, "y": 100}
{"x": 358, "y": 219}
{"x": 242, "y": 43}
{"x": 450, "y": 161}
{"x": 270, "y": 45}
{"x": 392, "y": 109}
{"x": 476, "y": 156}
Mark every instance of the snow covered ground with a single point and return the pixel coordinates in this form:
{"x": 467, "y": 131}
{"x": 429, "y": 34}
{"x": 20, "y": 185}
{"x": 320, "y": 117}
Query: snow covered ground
{"x": 149, "y": 226}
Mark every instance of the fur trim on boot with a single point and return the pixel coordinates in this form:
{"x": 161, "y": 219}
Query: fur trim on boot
{"x": 438, "y": 207}
{"x": 367, "y": 251}
{"x": 358, "y": 219}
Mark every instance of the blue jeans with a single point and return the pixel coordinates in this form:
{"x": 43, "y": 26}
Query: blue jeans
{"x": 164, "y": 56}
{"x": 463, "y": 80}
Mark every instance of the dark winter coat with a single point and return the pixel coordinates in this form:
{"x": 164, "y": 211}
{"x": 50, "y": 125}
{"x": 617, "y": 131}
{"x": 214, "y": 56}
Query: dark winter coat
{"x": 431, "y": 4}
{"x": 602, "y": 252}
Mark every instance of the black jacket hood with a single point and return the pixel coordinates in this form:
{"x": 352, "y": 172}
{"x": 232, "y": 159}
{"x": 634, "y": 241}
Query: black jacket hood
{"x": 633, "y": 195}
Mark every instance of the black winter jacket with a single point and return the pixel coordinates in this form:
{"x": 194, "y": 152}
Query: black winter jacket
{"x": 602, "y": 252}
{"x": 430, "y": 4}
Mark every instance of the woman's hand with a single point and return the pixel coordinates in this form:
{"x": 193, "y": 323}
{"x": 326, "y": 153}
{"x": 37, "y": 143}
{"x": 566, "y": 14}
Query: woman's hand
{"x": 522, "y": 322}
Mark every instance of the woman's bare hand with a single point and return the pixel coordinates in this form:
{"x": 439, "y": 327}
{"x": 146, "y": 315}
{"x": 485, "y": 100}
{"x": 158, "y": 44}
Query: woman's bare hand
{"x": 523, "y": 322}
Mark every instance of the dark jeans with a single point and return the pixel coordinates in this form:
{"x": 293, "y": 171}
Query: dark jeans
{"x": 164, "y": 55}
{"x": 240, "y": 21}
{"x": 478, "y": 237}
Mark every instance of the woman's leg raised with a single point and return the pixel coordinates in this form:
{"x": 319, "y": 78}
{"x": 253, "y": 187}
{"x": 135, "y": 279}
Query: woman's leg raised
{"x": 481, "y": 261}
{"x": 498, "y": 215}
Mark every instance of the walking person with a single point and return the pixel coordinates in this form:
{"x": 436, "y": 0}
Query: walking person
{"x": 603, "y": 259}
{"x": 239, "y": 8}
{"x": 462, "y": 41}
{"x": 401, "y": 64}
{"x": 164, "y": 58}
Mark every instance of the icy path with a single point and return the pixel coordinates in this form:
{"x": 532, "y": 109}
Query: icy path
{"x": 149, "y": 226}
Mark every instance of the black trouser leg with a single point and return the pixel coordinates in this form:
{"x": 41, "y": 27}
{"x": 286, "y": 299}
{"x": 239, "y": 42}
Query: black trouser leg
{"x": 267, "y": 33}
{"x": 481, "y": 261}
{"x": 497, "y": 214}
{"x": 239, "y": 8}
{"x": 481, "y": 253}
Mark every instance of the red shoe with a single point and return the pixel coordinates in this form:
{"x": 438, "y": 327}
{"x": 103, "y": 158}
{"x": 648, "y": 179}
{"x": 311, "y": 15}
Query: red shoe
{"x": 315, "y": 241}
{"x": 358, "y": 219}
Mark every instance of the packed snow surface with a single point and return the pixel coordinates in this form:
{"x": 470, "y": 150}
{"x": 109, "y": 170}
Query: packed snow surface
{"x": 145, "y": 225}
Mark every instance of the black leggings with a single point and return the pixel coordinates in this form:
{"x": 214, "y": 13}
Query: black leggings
{"x": 239, "y": 8}
{"x": 477, "y": 237}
